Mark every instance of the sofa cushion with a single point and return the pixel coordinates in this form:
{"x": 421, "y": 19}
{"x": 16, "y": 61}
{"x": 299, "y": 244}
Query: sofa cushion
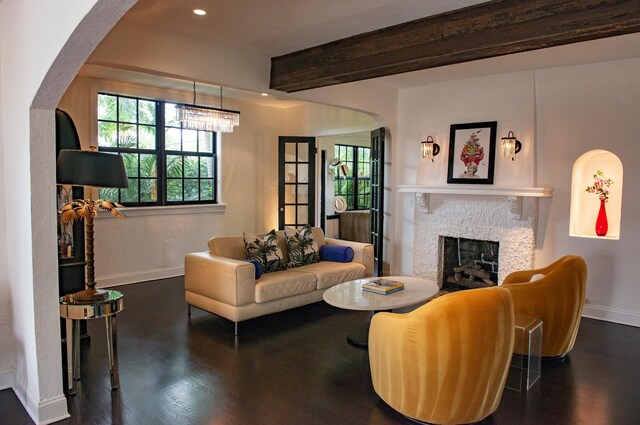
{"x": 329, "y": 273}
{"x": 337, "y": 253}
{"x": 265, "y": 250}
{"x": 282, "y": 284}
{"x": 301, "y": 246}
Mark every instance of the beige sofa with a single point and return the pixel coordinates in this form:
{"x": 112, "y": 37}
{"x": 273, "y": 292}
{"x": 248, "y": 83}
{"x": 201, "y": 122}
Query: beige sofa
{"x": 221, "y": 282}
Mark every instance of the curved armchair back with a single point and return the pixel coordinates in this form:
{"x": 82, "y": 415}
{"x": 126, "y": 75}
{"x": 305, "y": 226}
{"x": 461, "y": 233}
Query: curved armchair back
{"x": 557, "y": 298}
{"x": 447, "y": 361}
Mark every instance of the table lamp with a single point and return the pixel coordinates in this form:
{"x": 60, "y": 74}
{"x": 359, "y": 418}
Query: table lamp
{"x": 92, "y": 169}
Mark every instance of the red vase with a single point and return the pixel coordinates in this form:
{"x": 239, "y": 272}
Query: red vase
{"x": 602, "y": 226}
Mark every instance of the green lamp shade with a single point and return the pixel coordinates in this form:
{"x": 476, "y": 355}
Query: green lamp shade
{"x": 89, "y": 168}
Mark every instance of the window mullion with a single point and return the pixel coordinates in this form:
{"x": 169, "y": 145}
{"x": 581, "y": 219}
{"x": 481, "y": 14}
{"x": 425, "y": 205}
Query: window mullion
{"x": 196, "y": 188}
{"x": 160, "y": 152}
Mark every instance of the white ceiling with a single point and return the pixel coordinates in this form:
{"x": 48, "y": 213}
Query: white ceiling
{"x": 276, "y": 27}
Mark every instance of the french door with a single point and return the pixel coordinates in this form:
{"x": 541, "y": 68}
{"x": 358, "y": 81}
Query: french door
{"x": 377, "y": 197}
{"x": 296, "y": 181}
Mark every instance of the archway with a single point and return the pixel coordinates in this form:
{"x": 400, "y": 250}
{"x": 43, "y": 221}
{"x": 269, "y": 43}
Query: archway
{"x": 38, "y": 372}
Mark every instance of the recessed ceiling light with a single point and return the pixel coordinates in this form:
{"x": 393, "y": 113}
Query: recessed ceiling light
{"x": 200, "y": 12}
{"x": 264, "y": 94}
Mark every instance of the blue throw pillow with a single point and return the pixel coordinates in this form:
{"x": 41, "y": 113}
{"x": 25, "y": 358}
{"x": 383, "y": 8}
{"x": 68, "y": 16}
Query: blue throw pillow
{"x": 257, "y": 266}
{"x": 336, "y": 253}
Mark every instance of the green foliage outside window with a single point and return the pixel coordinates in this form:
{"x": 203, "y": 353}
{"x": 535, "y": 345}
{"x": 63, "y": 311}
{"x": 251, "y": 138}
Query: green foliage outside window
{"x": 355, "y": 186}
{"x": 159, "y": 156}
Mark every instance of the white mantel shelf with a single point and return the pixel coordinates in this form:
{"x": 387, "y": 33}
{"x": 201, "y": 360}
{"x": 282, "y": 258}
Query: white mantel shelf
{"x": 514, "y": 194}
{"x": 536, "y": 192}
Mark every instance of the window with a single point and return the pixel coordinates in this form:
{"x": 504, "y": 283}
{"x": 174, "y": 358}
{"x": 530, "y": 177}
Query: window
{"x": 356, "y": 185}
{"x": 165, "y": 164}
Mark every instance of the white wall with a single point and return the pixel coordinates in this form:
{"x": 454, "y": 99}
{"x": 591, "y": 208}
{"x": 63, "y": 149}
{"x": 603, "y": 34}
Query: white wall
{"x": 154, "y": 246}
{"x": 323, "y": 120}
{"x": 7, "y": 345}
{"x": 150, "y": 247}
{"x": 158, "y": 52}
{"x": 581, "y": 108}
{"x": 507, "y": 98}
{"x": 558, "y": 114}
{"x": 43, "y": 46}
{"x": 139, "y": 247}
{"x": 36, "y": 69}
{"x": 162, "y": 52}
{"x": 430, "y": 110}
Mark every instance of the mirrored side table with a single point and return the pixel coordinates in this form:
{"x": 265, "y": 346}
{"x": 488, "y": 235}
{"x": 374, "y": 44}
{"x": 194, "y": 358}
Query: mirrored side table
{"x": 74, "y": 312}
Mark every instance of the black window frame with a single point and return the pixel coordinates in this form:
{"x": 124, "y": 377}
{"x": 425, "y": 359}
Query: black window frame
{"x": 342, "y": 180}
{"x": 162, "y": 153}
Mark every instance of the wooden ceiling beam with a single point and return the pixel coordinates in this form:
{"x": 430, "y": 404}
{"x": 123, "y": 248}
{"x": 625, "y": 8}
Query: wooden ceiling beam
{"x": 496, "y": 28}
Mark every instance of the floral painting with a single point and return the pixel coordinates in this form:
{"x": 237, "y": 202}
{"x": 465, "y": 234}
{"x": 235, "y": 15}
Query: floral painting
{"x": 472, "y": 152}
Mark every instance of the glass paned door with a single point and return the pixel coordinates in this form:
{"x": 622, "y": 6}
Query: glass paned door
{"x": 377, "y": 197}
{"x": 296, "y": 186}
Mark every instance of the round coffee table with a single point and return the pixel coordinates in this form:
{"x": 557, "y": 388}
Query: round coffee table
{"x": 350, "y": 296}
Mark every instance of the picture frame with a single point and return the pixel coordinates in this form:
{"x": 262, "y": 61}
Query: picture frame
{"x": 472, "y": 151}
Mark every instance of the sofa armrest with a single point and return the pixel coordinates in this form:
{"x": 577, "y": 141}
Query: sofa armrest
{"x": 223, "y": 279}
{"x": 362, "y": 253}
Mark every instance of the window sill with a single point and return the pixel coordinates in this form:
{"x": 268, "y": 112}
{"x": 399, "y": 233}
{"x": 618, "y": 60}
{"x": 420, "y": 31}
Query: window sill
{"x": 169, "y": 210}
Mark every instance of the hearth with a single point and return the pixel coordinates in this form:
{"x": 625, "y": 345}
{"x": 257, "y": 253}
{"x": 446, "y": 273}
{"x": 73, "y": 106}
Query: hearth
{"x": 468, "y": 263}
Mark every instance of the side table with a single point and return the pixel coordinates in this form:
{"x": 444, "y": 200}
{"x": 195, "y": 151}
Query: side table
{"x": 73, "y": 312}
{"x": 527, "y": 353}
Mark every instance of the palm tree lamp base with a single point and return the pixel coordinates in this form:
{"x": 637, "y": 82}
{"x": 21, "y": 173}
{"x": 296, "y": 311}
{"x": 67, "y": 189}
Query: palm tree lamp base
{"x": 89, "y": 295}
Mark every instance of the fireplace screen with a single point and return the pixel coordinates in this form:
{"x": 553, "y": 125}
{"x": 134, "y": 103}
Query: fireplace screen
{"x": 468, "y": 263}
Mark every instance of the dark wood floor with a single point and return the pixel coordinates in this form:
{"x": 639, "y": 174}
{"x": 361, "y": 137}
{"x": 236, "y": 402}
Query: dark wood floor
{"x": 295, "y": 367}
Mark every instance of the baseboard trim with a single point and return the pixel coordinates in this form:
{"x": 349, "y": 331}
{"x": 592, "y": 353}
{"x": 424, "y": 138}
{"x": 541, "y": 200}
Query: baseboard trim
{"x": 141, "y": 276}
{"x": 7, "y": 378}
{"x": 42, "y": 412}
{"x": 622, "y": 317}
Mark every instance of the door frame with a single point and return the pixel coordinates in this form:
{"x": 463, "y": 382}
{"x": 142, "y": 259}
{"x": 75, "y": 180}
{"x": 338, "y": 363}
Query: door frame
{"x": 377, "y": 197}
{"x": 311, "y": 181}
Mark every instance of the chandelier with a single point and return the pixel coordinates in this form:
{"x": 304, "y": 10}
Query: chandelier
{"x": 206, "y": 118}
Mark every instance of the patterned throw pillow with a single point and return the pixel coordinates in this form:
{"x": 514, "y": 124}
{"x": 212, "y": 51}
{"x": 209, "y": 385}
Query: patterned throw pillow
{"x": 303, "y": 249}
{"x": 265, "y": 250}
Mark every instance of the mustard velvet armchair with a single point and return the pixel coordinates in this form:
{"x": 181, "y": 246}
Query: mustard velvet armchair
{"x": 557, "y": 299}
{"x": 447, "y": 361}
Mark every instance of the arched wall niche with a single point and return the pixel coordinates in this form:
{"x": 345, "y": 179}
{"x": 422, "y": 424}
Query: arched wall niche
{"x": 585, "y": 205}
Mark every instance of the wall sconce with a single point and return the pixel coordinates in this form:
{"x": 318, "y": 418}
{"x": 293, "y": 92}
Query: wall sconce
{"x": 510, "y": 146}
{"x": 429, "y": 149}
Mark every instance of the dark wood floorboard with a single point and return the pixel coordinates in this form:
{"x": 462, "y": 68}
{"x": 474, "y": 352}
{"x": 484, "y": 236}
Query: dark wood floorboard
{"x": 296, "y": 367}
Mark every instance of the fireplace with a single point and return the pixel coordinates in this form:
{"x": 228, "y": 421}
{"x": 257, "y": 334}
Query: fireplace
{"x": 468, "y": 217}
{"x": 458, "y": 252}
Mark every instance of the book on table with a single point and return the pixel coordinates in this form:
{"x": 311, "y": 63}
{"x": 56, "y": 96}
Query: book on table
{"x": 382, "y": 286}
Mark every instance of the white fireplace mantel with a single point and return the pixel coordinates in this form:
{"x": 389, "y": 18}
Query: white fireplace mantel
{"x": 514, "y": 194}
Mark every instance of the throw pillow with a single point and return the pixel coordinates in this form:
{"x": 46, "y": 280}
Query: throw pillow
{"x": 303, "y": 249}
{"x": 336, "y": 253}
{"x": 265, "y": 250}
{"x": 257, "y": 266}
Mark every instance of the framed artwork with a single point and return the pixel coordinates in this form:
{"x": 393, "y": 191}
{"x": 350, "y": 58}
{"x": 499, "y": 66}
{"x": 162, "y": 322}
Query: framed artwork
{"x": 472, "y": 148}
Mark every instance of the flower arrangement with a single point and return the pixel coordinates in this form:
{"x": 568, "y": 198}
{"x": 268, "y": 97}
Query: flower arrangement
{"x": 471, "y": 155}
{"x": 600, "y": 185}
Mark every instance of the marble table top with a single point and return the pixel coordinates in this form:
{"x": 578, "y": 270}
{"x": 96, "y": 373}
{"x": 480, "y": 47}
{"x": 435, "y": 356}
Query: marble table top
{"x": 350, "y": 296}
